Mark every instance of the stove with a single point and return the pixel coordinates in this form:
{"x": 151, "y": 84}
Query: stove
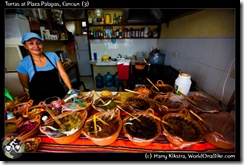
{"x": 154, "y": 72}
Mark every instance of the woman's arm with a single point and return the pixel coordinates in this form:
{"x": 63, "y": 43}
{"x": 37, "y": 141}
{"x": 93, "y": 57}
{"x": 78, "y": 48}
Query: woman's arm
{"x": 64, "y": 75}
{"x": 24, "y": 80}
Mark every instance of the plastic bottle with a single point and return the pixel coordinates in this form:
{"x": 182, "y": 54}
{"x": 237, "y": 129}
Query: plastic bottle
{"x": 99, "y": 81}
{"x": 183, "y": 84}
{"x": 107, "y": 19}
{"x": 108, "y": 78}
{"x": 115, "y": 80}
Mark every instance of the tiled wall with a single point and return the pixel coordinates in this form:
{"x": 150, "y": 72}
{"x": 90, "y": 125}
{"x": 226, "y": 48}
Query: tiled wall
{"x": 208, "y": 60}
{"x": 124, "y": 47}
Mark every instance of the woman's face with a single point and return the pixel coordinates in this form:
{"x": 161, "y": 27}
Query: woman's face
{"x": 34, "y": 46}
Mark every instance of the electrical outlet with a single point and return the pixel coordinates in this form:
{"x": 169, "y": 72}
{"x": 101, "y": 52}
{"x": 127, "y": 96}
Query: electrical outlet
{"x": 175, "y": 54}
{"x": 232, "y": 73}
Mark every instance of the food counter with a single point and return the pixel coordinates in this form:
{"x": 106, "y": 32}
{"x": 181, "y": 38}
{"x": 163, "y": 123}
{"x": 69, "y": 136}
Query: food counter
{"x": 122, "y": 144}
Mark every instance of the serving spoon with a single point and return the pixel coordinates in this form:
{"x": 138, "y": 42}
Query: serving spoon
{"x": 153, "y": 84}
{"x": 70, "y": 132}
{"x": 206, "y": 126}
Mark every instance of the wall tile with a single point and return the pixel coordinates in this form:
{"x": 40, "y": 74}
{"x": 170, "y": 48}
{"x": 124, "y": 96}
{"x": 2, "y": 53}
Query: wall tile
{"x": 198, "y": 74}
{"x": 205, "y": 50}
{"x": 226, "y": 89}
{"x": 212, "y": 80}
{"x": 223, "y": 51}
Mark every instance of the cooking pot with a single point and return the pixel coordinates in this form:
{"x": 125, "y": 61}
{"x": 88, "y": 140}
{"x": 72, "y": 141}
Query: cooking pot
{"x": 156, "y": 58}
{"x": 140, "y": 65}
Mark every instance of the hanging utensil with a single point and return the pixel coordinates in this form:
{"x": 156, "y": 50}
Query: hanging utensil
{"x": 153, "y": 84}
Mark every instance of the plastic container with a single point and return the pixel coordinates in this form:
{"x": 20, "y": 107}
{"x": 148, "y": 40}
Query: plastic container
{"x": 123, "y": 71}
{"x": 99, "y": 81}
{"x": 108, "y": 79}
{"x": 95, "y": 56}
{"x": 115, "y": 80}
{"x": 107, "y": 19}
{"x": 183, "y": 84}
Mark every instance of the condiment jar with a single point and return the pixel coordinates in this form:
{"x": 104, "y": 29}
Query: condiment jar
{"x": 107, "y": 19}
{"x": 183, "y": 84}
{"x": 146, "y": 30}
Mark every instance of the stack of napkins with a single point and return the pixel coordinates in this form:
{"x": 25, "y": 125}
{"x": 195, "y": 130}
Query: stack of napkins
{"x": 124, "y": 61}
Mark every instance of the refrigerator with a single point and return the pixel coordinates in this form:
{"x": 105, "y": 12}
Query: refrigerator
{"x": 83, "y": 55}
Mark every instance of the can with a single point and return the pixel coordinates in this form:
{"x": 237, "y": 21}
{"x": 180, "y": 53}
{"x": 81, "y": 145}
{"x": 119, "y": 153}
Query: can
{"x": 183, "y": 84}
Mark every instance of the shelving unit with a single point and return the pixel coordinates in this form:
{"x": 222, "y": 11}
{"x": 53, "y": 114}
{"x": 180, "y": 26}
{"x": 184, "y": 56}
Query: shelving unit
{"x": 119, "y": 29}
{"x": 48, "y": 22}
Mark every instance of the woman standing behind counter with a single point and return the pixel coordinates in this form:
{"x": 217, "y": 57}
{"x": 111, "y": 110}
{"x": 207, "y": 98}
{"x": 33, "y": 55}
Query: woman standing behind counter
{"x": 39, "y": 72}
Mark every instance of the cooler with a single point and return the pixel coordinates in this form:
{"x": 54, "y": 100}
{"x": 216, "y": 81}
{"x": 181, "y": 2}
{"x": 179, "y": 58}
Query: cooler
{"x": 123, "y": 68}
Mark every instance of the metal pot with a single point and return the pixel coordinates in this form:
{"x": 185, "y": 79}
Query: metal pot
{"x": 156, "y": 58}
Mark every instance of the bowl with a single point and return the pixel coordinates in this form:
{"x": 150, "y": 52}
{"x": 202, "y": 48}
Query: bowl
{"x": 167, "y": 103}
{"x": 73, "y": 122}
{"x": 138, "y": 103}
{"x": 111, "y": 101}
{"x": 19, "y": 108}
{"x": 9, "y": 104}
{"x": 11, "y": 125}
{"x": 54, "y": 104}
{"x": 79, "y": 103}
{"x": 186, "y": 131}
{"x": 31, "y": 144}
{"x": 163, "y": 88}
{"x": 220, "y": 129}
{"x": 32, "y": 111}
{"x": 106, "y": 132}
{"x": 144, "y": 131}
{"x": 143, "y": 90}
{"x": 27, "y": 128}
{"x": 203, "y": 104}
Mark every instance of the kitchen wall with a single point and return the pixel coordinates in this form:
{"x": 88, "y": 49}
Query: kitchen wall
{"x": 124, "y": 47}
{"x": 210, "y": 61}
{"x": 203, "y": 45}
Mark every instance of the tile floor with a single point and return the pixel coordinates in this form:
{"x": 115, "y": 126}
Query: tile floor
{"x": 90, "y": 84}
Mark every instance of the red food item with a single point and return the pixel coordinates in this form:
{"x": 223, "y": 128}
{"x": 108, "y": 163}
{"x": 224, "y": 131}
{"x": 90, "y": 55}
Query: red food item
{"x": 26, "y": 126}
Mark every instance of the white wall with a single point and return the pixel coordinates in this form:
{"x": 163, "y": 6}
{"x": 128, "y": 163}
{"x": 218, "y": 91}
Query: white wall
{"x": 208, "y": 60}
{"x": 124, "y": 47}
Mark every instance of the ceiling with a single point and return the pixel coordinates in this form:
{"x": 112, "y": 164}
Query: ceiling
{"x": 155, "y": 15}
